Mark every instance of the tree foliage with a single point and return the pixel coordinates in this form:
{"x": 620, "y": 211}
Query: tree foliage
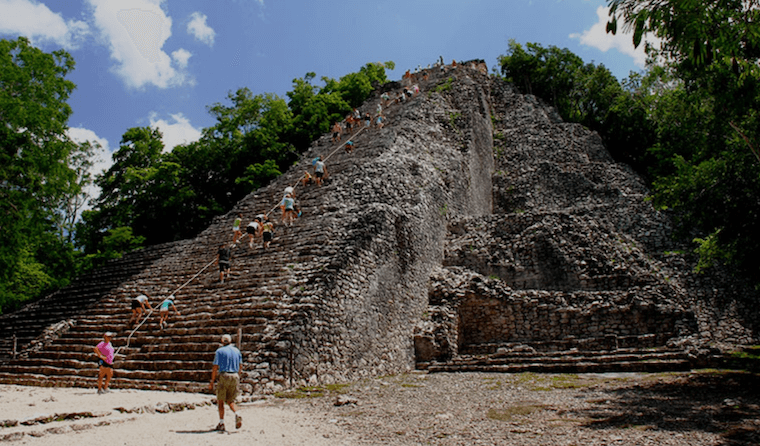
{"x": 40, "y": 175}
{"x": 709, "y": 129}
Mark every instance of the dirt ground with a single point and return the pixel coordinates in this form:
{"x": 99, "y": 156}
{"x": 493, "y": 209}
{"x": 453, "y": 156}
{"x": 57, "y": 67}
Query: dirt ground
{"x": 698, "y": 408}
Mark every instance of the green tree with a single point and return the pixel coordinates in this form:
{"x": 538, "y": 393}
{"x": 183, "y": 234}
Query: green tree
{"x": 124, "y": 190}
{"x": 707, "y": 147}
{"x": 36, "y": 177}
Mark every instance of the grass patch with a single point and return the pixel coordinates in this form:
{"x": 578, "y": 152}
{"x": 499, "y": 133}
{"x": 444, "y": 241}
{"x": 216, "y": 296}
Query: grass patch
{"x": 547, "y": 383}
{"x": 509, "y": 413}
{"x": 301, "y": 392}
{"x": 444, "y": 86}
{"x": 749, "y": 352}
{"x": 313, "y": 391}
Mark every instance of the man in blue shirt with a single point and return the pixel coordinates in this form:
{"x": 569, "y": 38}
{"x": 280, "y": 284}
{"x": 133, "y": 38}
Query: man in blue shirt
{"x": 226, "y": 365}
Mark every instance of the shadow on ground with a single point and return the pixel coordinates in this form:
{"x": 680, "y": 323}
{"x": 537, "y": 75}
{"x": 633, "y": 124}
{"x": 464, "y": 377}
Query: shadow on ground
{"x": 724, "y": 402}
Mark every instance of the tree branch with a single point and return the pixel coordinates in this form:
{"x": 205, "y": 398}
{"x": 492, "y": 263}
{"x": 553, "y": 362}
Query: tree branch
{"x": 746, "y": 140}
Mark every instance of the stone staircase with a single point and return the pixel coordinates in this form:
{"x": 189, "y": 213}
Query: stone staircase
{"x": 28, "y": 325}
{"x": 257, "y": 302}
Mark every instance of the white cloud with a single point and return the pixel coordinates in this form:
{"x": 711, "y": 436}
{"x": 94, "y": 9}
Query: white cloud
{"x": 177, "y": 132}
{"x": 181, "y": 56}
{"x": 102, "y": 158}
{"x": 136, "y": 36}
{"x": 597, "y": 37}
{"x": 198, "y": 29}
{"x": 37, "y": 22}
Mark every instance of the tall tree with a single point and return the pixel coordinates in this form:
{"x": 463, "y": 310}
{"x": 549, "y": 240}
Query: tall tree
{"x": 712, "y": 50}
{"x": 35, "y": 174}
{"x": 126, "y": 190}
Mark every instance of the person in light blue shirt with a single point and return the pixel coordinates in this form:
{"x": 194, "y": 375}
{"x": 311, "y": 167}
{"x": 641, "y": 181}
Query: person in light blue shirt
{"x": 226, "y": 365}
{"x": 288, "y": 206}
{"x": 164, "y": 311}
{"x": 319, "y": 171}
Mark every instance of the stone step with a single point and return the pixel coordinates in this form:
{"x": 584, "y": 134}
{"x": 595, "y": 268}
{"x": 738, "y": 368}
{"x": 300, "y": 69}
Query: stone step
{"x": 172, "y": 371}
{"x": 630, "y": 359}
{"x": 119, "y": 381}
{"x": 599, "y": 343}
{"x": 564, "y": 367}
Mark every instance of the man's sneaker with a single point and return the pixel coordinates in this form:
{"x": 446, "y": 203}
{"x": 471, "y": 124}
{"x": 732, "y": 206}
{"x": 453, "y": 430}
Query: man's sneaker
{"x": 238, "y": 421}
{"x": 100, "y": 392}
{"x": 220, "y": 427}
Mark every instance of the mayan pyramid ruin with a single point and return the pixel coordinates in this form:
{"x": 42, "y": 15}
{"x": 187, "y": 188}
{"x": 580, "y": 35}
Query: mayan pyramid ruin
{"x": 474, "y": 231}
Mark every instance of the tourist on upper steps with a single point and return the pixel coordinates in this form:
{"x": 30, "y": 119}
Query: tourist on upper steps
{"x": 164, "y": 311}
{"x": 253, "y": 230}
{"x": 105, "y": 353}
{"x": 267, "y": 233}
{"x": 226, "y": 365}
{"x": 337, "y": 130}
{"x": 224, "y": 259}
{"x": 288, "y": 206}
{"x": 140, "y": 304}
{"x": 319, "y": 171}
{"x": 307, "y": 179}
{"x": 236, "y": 228}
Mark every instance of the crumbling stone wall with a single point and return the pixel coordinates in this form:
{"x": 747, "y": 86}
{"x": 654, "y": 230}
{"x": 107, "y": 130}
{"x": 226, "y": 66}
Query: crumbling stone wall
{"x": 573, "y": 256}
{"x": 384, "y": 219}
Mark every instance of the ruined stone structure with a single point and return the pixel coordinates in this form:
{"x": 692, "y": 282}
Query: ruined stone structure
{"x": 475, "y": 231}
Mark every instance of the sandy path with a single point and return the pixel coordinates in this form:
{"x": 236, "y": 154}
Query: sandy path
{"x": 129, "y": 417}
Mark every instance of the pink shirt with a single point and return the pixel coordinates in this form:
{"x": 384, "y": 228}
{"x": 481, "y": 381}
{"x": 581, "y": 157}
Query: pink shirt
{"x": 106, "y": 350}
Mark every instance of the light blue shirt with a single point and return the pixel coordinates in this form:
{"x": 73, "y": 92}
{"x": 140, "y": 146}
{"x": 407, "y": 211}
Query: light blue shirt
{"x": 228, "y": 359}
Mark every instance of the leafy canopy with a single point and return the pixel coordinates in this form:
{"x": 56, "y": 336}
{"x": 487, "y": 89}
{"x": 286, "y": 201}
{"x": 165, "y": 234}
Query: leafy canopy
{"x": 41, "y": 170}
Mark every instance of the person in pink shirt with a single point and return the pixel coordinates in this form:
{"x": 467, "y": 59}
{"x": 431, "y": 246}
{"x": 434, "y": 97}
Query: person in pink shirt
{"x": 105, "y": 353}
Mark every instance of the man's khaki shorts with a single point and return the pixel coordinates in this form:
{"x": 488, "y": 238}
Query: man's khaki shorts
{"x": 227, "y": 389}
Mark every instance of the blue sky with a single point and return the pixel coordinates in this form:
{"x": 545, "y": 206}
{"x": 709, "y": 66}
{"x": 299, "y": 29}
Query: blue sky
{"x": 160, "y": 63}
